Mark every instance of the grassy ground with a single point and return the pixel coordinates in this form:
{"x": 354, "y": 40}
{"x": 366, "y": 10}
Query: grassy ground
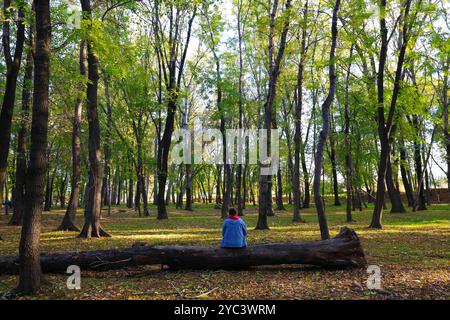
{"x": 412, "y": 251}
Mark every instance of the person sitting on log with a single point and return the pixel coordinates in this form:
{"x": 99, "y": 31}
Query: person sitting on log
{"x": 234, "y": 231}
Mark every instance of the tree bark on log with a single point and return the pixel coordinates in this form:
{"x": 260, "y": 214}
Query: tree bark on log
{"x": 343, "y": 251}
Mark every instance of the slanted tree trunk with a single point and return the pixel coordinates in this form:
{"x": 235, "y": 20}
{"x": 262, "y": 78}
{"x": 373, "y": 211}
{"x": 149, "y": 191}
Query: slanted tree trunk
{"x": 29, "y": 262}
{"x": 21, "y": 154}
{"x": 12, "y": 71}
{"x": 343, "y": 251}
{"x": 68, "y": 222}
{"x": 92, "y": 227}
{"x": 318, "y": 159}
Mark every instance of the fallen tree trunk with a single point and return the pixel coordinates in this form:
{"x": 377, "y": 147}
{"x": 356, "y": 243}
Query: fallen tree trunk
{"x": 340, "y": 252}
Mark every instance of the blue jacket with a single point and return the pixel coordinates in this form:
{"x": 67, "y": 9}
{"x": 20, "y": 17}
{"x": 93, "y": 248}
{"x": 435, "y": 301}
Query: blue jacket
{"x": 233, "y": 234}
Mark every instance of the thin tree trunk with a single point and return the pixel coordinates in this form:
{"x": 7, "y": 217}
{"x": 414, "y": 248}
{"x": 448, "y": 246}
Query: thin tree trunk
{"x": 318, "y": 163}
{"x": 421, "y": 201}
{"x": 298, "y": 123}
{"x": 21, "y": 162}
{"x": 130, "y": 187}
{"x": 337, "y": 202}
{"x": 68, "y": 223}
{"x": 170, "y": 184}
{"x": 13, "y": 63}
{"x": 385, "y": 126}
{"x": 265, "y": 181}
{"x": 106, "y": 191}
{"x": 92, "y": 227}
{"x": 404, "y": 172}
{"x": 445, "y": 118}
{"x": 280, "y": 205}
{"x": 347, "y": 145}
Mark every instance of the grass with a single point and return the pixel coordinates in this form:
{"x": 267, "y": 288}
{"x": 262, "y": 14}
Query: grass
{"x": 412, "y": 251}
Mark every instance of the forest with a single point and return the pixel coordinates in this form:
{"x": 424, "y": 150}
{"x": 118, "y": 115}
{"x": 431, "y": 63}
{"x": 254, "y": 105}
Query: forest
{"x": 129, "y": 128}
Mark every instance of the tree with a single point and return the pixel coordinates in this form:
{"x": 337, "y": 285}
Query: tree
{"x": 171, "y": 53}
{"x": 13, "y": 63}
{"x": 92, "y": 227}
{"x": 318, "y": 160}
{"x": 385, "y": 126}
{"x": 275, "y": 58}
{"x": 347, "y": 144}
{"x": 21, "y": 157}
{"x": 68, "y": 222}
{"x": 298, "y": 121}
{"x": 30, "y": 269}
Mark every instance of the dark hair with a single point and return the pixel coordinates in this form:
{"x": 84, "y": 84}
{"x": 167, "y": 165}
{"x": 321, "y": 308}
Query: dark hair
{"x": 232, "y": 212}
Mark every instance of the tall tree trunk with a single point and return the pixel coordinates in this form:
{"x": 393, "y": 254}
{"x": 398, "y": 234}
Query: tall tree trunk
{"x": 265, "y": 181}
{"x": 106, "y": 191}
{"x": 12, "y": 72}
{"x": 92, "y": 227}
{"x": 347, "y": 145}
{"x": 228, "y": 174}
{"x": 385, "y": 126}
{"x": 445, "y": 118}
{"x": 298, "y": 124}
{"x": 21, "y": 162}
{"x": 68, "y": 222}
{"x": 318, "y": 160}
{"x": 30, "y": 268}
{"x": 173, "y": 88}
{"x": 307, "y": 193}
